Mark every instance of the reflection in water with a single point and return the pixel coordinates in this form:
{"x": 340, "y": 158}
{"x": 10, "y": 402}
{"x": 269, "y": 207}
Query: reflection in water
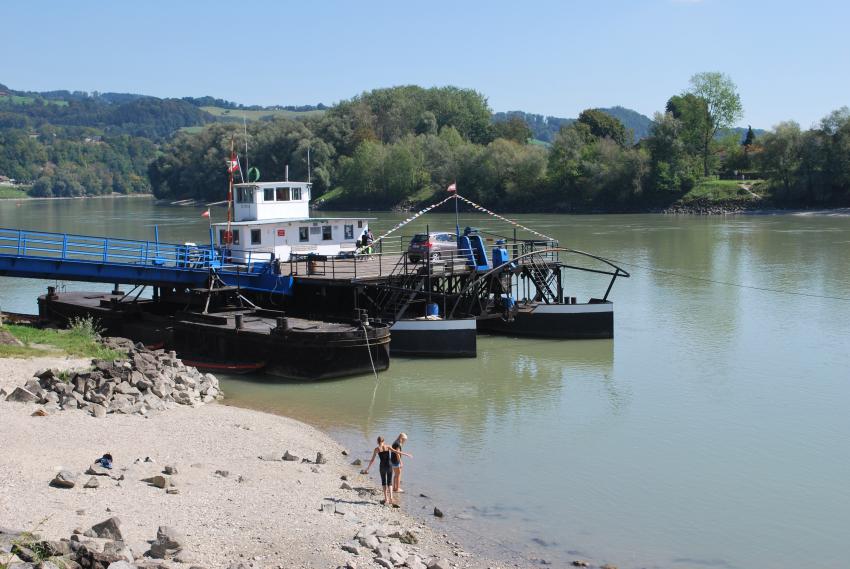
{"x": 708, "y": 433}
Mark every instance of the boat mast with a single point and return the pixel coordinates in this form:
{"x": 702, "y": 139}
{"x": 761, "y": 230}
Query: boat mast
{"x": 228, "y": 233}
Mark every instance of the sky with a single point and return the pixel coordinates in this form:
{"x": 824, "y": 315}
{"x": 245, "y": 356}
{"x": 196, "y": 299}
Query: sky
{"x": 789, "y": 59}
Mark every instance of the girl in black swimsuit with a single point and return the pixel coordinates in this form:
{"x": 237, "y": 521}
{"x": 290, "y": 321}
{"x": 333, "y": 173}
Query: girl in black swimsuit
{"x": 384, "y": 451}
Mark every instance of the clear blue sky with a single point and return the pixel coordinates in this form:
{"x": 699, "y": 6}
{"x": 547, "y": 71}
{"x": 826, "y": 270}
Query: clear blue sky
{"x": 789, "y": 58}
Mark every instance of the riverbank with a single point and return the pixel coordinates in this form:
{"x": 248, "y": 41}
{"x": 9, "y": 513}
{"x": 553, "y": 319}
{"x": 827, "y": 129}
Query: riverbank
{"x": 231, "y": 505}
{"x": 27, "y": 197}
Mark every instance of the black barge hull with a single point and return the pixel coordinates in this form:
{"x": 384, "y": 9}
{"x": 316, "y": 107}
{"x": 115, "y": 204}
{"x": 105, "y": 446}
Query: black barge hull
{"x": 563, "y": 321}
{"x": 234, "y": 341}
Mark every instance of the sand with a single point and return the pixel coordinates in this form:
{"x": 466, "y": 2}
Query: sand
{"x": 263, "y": 513}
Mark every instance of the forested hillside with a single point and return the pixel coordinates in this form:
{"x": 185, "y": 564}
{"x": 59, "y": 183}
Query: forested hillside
{"x": 403, "y": 146}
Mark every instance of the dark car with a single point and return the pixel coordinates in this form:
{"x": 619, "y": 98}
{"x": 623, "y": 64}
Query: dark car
{"x": 435, "y": 245}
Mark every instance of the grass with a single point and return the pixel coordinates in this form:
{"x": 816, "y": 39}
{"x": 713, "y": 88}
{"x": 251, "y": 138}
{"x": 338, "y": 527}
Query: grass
{"x": 717, "y": 190}
{"x": 18, "y": 100}
{"x": 257, "y": 115}
{"x": 80, "y": 340}
{"x": 13, "y": 192}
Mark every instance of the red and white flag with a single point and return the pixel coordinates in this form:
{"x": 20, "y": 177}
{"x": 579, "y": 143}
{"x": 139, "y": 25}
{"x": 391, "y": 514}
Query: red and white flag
{"x": 206, "y": 213}
{"x": 232, "y": 164}
{"x": 452, "y": 188}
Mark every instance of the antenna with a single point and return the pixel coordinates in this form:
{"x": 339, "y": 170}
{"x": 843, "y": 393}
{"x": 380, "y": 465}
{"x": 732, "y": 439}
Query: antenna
{"x": 245, "y": 130}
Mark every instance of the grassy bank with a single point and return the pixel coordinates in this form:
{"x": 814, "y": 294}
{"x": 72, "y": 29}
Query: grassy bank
{"x": 80, "y": 340}
{"x": 13, "y": 192}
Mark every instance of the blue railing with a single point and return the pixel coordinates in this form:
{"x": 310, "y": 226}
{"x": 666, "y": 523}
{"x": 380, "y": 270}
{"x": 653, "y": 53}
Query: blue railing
{"x": 69, "y": 247}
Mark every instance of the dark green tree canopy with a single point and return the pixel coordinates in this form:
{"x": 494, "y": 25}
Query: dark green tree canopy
{"x": 603, "y": 125}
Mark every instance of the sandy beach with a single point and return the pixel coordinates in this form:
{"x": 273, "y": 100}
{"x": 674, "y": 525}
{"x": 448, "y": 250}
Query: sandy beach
{"x": 232, "y": 506}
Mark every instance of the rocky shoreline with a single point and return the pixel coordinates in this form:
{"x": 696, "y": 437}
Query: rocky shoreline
{"x": 193, "y": 485}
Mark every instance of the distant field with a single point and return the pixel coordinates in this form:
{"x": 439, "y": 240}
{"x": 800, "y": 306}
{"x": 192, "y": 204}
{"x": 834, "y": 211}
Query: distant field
{"x": 191, "y": 129}
{"x": 18, "y": 100}
{"x": 256, "y": 115}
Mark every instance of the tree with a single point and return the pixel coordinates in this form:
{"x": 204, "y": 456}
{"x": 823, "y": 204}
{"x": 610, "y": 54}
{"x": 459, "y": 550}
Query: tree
{"x": 603, "y": 125}
{"x": 780, "y": 157}
{"x": 722, "y": 107}
{"x": 750, "y": 138}
{"x": 514, "y": 129}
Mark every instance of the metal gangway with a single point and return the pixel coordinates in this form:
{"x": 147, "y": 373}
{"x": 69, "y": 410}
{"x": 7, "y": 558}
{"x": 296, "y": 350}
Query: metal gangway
{"x": 66, "y": 256}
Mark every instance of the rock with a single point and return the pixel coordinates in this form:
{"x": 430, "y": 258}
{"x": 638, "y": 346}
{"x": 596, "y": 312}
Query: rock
{"x": 439, "y": 564}
{"x": 42, "y": 412}
{"x": 92, "y": 483}
{"x": 370, "y": 542}
{"x": 340, "y": 509}
{"x": 345, "y": 486}
{"x": 344, "y": 477}
{"x": 414, "y": 562}
{"x": 580, "y": 563}
{"x": 109, "y": 529}
{"x": 169, "y": 469}
{"x": 290, "y": 457}
{"x": 315, "y": 469}
{"x": 320, "y": 458}
{"x": 98, "y": 411}
{"x": 438, "y": 513}
{"x": 159, "y": 481}
{"x": 409, "y": 538}
{"x": 117, "y": 549}
{"x": 97, "y": 470}
{"x": 384, "y": 563}
{"x": 120, "y": 565}
{"x": 270, "y": 458}
{"x": 608, "y": 566}
{"x": 168, "y": 542}
{"x": 222, "y": 473}
{"x": 22, "y": 395}
{"x": 344, "y": 452}
{"x": 350, "y": 548}
{"x": 356, "y": 462}
{"x": 64, "y": 479}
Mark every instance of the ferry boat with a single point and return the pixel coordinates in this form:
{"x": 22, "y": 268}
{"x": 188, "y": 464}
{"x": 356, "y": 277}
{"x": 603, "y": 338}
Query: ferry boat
{"x": 271, "y": 221}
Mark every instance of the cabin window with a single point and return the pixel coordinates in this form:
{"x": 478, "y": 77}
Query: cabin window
{"x": 296, "y": 194}
{"x": 359, "y": 224}
{"x": 245, "y": 195}
{"x": 349, "y": 232}
{"x": 326, "y": 233}
{"x": 303, "y": 234}
{"x": 268, "y": 195}
{"x": 282, "y": 194}
{"x": 256, "y": 236}
{"x": 316, "y": 230}
{"x": 222, "y": 237}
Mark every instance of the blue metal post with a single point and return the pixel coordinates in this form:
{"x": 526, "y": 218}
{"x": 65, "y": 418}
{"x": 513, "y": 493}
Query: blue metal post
{"x": 212, "y": 246}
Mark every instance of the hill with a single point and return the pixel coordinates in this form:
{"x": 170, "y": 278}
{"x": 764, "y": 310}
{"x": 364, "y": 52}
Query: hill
{"x": 544, "y": 128}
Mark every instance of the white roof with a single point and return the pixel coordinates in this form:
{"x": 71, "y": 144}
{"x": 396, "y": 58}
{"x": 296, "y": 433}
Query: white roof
{"x": 296, "y": 220}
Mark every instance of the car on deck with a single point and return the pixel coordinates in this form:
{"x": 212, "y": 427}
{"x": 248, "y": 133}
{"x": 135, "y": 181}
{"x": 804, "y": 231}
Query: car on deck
{"x": 435, "y": 245}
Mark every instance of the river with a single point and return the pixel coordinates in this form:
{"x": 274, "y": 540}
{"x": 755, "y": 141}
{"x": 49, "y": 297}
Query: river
{"x": 711, "y": 432}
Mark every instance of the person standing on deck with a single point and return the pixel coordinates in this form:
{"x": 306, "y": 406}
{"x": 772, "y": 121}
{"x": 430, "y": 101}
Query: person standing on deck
{"x": 396, "y": 462}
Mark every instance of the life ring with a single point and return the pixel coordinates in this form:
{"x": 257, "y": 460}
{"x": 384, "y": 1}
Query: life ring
{"x": 226, "y": 237}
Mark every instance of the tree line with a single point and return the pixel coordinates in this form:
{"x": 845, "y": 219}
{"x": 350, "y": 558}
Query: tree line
{"x": 405, "y": 145}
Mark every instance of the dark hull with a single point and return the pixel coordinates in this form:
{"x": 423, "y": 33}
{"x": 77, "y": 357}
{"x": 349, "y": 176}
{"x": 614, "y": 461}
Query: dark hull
{"x": 567, "y": 322}
{"x": 434, "y": 338}
{"x": 307, "y": 350}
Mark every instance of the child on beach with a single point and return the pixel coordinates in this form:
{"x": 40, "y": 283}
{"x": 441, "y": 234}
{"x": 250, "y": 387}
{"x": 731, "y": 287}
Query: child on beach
{"x": 395, "y": 461}
{"x": 383, "y": 451}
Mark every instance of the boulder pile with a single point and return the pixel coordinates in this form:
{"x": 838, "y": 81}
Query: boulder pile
{"x": 146, "y": 380}
{"x": 101, "y": 547}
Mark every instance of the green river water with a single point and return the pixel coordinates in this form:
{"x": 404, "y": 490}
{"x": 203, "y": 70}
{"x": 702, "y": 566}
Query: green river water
{"x": 711, "y": 432}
